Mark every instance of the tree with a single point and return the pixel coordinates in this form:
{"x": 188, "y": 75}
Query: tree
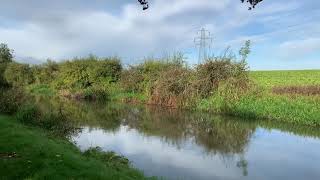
{"x": 5, "y": 58}
{"x": 5, "y": 54}
{"x": 252, "y": 3}
{"x": 245, "y": 51}
{"x": 144, "y": 3}
{"x": 18, "y": 75}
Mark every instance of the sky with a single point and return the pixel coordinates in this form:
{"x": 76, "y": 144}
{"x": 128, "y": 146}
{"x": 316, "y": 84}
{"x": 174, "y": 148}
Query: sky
{"x": 285, "y": 34}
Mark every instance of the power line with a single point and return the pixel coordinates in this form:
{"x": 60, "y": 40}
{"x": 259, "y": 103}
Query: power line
{"x": 204, "y": 42}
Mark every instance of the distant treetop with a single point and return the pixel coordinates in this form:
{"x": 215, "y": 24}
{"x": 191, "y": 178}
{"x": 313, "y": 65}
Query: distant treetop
{"x": 5, "y": 53}
{"x": 252, "y": 3}
{"x": 144, "y": 3}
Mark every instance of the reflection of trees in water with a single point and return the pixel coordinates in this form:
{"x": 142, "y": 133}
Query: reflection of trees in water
{"x": 82, "y": 114}
{"x": 217, "y": 135}
{"x": 169, "y": 127}
{"x": 243, "y": 164}
{"x": 223, "y": 136}
{"x": 213, "y": 133}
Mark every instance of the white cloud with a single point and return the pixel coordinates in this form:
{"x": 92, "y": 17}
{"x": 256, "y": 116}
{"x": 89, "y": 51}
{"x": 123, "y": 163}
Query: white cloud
{"x": 64, "y": 29}
{"x": 299, "y": 48}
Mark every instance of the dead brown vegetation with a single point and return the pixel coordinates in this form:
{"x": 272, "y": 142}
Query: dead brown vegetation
{"x": 311, "y": 90}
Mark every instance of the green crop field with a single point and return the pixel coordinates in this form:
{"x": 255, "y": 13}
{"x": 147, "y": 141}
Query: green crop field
{"x": 286, "y": 78}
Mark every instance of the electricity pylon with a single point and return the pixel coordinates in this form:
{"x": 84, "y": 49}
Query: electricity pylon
{"x": 204, "y": 41}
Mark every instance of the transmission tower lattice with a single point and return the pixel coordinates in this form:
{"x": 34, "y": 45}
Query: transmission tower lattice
{"x": 204, "y": 41}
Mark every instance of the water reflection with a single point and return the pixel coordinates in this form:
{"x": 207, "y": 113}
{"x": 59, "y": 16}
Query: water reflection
{"x": 188, "y": 145}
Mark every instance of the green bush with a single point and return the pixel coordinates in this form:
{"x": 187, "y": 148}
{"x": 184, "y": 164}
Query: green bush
{"x": 139, "y": 78}
{"x": 95, "y": 93}
{"x": 218, "y": 70}
{"x": 18, "y": 74}
{"x": 172, "y": 87}
{"x": 28, "y": 114}
{"x": 45, "y": 73}
{"x": 132, "y": 80}
{"x": 87, "y": 72}
{"x": 3, "y": 82}
{"x": 10, "y": 100}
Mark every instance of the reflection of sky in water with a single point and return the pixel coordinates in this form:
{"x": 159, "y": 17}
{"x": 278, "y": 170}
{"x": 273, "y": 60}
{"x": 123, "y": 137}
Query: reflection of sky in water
{"x": 270, "y": 155}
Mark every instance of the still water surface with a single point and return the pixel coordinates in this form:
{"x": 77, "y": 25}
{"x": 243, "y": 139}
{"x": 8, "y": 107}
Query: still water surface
{"x": 191, "y": 145}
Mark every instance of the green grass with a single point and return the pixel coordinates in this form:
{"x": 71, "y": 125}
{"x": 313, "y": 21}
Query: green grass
{"x": 42, "y": 157}
{"x": 296, "y": 109}
{"x": 40, "y": 89}
{"x": 271, "y": 79}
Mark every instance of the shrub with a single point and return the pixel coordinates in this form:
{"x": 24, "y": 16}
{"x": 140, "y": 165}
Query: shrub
{"x": 87, "y": 72}
{"x": 132, "y": 80}
{"x": 139, "y": 78}
{"x": 90, "y": 94}
{"x": 215, "y": 71}
{"x": 10, "y": 100}
{"x": 172, "y": 87}
{"x": 169, "y": 82}
{"x": 3, "y": 82}
{"x": 224, "y": 71}
{"x": 95, "y": 93}
{"x": 45, "y": 73}
{"x": 28, "y": 114}
{"x": 18, "y": 74}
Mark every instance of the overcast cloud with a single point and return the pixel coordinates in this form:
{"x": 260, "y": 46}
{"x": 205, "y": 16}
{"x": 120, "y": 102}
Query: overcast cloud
{"x": 285, "y": 35}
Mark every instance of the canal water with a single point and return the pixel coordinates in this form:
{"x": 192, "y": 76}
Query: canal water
{"x": 176, "y": 144}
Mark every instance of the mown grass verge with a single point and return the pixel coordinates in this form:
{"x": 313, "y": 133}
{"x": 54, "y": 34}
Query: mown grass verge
{"x": 29, "y": 153}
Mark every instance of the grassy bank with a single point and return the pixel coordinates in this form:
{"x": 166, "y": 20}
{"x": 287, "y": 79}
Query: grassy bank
{"x": 29, "y": 153}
